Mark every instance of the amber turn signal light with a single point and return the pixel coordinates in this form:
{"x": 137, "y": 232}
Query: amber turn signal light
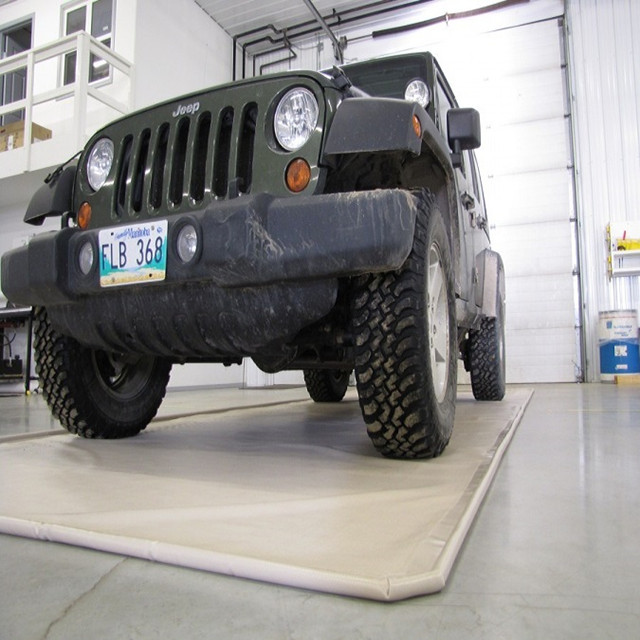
{"x": 417, "y": 127}
{"x": 298, "y": 175}
{"x": 84, "y": 215}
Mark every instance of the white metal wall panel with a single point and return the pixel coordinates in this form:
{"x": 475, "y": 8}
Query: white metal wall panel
{"x": 527, "y": 147}
{"x": 605, "y": 63}
{"x": 548, "y": 197}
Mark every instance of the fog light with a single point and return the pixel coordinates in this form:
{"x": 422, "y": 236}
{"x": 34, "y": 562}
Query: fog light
{"x": 86, "y": 258}
{"x": 187, "y": 243}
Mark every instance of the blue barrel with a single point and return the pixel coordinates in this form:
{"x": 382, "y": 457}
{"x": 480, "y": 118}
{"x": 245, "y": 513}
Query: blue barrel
{"x": 618, "y": 340}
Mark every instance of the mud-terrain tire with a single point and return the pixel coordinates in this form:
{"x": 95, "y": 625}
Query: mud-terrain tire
{"x": 326, "y": 385}
{"x": 406, "y": 345}
{"x": 486, "y": 358}
{"x": 94, "y": 394}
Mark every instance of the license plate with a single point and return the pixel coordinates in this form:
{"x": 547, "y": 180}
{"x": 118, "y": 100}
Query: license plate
{"x": 133, "y": 254}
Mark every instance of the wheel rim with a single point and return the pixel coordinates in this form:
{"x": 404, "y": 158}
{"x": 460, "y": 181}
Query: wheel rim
{"x": 438, "y": 322}
{"x": 120, "y": 375}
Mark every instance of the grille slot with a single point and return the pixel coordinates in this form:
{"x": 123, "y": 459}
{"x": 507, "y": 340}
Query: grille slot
{"x": 176, "y": 185}
{"x": 138, "y": 174}
{"x": 157, "y": 171}
{"x": 244, "y": 165}
{"x": 123, "y": 176}
{"x": 223, "y": 153}
{"x": 199, "y": 158}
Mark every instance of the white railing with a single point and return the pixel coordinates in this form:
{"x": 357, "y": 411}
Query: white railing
{"x": 84, "y": 45}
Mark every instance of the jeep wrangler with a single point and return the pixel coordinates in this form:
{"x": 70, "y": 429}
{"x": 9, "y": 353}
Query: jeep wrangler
{"x": 319, "y": 221}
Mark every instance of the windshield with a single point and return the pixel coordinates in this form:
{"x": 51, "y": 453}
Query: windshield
{"x": 386, "y": 78}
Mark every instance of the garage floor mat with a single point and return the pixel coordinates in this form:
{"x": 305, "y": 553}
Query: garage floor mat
{"x": 292, "y": 494}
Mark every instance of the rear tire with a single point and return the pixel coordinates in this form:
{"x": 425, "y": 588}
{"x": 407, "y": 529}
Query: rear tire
{"x": 487, "y": 358}
{"x": 95, "y": 394}
{"x": 406, "y": 345}
{"x": 326, "y": 385}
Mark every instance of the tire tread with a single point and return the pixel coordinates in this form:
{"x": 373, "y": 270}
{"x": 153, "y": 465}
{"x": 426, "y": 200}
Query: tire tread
{"x": 63, "y": 387}
{"x": 392, "y": 382}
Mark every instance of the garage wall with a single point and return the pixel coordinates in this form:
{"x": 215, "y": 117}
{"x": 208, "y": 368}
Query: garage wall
{"x": 509, "y": 64}
{"x": 191, "y": 51}
{"x": 178, "y": 49}
{"x": 605, "y": 56}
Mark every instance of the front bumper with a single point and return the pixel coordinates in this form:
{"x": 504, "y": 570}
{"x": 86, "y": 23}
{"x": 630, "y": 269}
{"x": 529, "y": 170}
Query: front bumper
{"x": 260, "y": 256}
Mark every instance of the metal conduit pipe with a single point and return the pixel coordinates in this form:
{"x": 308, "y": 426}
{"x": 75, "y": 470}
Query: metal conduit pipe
{"x": 309, "y": 27}
{"x": 446, "y": 17}
{"x": 292, "y": 56}
{"x": 337, "y": 46}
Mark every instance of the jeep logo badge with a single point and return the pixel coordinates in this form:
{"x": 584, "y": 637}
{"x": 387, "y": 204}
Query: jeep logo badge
{"x": 186, "y": 109}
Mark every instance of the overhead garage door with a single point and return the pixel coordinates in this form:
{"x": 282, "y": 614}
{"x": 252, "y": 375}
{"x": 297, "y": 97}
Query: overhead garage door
{"x": 515, "y": 78}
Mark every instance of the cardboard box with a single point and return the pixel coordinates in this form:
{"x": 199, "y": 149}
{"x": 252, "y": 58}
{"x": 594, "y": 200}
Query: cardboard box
{"x": 12, "y": 135}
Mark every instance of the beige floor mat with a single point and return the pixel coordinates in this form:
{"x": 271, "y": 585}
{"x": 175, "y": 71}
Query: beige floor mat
{"x": 291, "y": 494}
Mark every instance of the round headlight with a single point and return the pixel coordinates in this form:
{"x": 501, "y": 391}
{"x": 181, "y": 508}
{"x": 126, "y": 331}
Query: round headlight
{"x": 187, "y": 243}
{"x": 86, "y": 258}
{"x": 295, "y": 119}
{"x": 99, "y": 163}
{"x": 417, "y": 91}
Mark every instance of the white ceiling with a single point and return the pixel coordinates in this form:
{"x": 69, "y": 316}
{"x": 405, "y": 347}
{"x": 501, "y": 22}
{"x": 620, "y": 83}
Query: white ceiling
{"x": 240, "y": 16}
{"x": 244, "y": 15}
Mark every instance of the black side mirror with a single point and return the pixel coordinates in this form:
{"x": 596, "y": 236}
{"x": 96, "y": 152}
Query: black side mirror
{"x": 463, "y": 127}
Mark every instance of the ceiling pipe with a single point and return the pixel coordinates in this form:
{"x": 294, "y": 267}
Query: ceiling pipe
{"x": 337, "y": 45}
{"x": 283, "y": 36}
{"x": 446, "y": 17}
{"x": 247, "y": 44}
{"x": 292, "y": 56}
{"x": 337, "y": 18}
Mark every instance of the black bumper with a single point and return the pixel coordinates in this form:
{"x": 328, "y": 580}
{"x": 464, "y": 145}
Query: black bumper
{"x": 262, "y": 257}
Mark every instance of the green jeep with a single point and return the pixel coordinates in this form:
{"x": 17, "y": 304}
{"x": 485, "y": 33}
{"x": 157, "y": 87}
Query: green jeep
{"x": 324, "y": 222}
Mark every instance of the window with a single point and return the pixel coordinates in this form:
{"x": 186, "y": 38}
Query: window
{"x": 13, "y": 86}
{"x": 95, "y": 18}
{"x": 443, "y": 104}
{"x": 477, "y": 182}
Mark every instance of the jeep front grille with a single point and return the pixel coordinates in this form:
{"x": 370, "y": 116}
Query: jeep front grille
{"x": 186, "y": 161}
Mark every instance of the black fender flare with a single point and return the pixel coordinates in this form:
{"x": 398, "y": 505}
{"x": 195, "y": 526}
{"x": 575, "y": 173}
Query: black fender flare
{"x": 53, "y": 198}
{"x": 490, "y": 284}
{"x": 376, "y": 125}
{"x": 367, "y": 125}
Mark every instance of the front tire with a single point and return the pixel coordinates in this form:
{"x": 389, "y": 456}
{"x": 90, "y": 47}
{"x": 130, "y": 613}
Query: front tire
{"x": 406, "y": 345}
{"x": 95, "y": 394}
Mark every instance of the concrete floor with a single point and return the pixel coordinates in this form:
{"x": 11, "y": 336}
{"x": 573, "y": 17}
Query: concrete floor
{"x": 554, "y": 551}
